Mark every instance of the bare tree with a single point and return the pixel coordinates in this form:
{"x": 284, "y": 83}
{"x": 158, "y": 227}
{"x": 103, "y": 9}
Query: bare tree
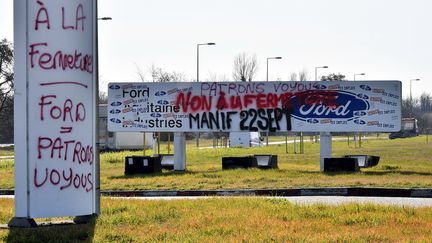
{"x": 245, "y": 67}
{"x": 293, "y": 77}
{"x": 140, "y": 73}
{"x": 217, "y": 77}
{"x": 160, "y": 75}
{"x": 6, "y": 72}
{"x": 303, "y": 75}
{"x": 333, "y": 77}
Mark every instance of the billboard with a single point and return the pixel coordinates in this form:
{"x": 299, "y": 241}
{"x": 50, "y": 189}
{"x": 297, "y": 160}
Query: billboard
{"x": 55, "y": 82}
{"x": 366, "y": 106}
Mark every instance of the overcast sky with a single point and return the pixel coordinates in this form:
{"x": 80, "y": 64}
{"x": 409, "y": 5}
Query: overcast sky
{"x": 386, "y": 39}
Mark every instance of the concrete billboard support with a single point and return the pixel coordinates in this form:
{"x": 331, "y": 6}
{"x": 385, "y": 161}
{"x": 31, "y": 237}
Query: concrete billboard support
{"x": 325, "y": 148}
{"x": 179, "y": 151}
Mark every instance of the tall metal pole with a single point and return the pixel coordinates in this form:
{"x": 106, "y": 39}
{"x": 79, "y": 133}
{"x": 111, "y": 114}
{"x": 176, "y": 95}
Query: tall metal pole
{"x": 198, "y": 62}
{"x": 267, "y": 79}
{"x": 316, "y": 79}
{"x": 357, "y": 134}
{"x": 316, "y": 72}
{"x": 97, "y": 157}
{"x": 198, "y": 45}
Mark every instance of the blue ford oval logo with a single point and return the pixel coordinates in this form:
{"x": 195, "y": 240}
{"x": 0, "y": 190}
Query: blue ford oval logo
{"x": 115, "y": 111}
{"x": 115, "y": 120}
{"x": 313, "y": 121}
{"x": 155, "y": 115}
{"x": 160, "y": 93}
{"x": 365, "y": 87}
{"x": 360, "y": 113}
{"x": 116, "y": 103}
{"x": 363, "y": 96}
{"x": 163, "y": 102}
{"x": 114, "y": 86}
{"x": 360, "y": 122}
{"x": 321, "y": 104}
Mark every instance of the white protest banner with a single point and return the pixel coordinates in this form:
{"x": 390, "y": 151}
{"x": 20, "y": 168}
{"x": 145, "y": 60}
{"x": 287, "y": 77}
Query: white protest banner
{"x": 55, "y": 73}
{"x": 366, "y": 106}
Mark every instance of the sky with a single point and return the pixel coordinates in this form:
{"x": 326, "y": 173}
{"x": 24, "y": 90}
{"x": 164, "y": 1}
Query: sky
{"x": 386, "y": 39}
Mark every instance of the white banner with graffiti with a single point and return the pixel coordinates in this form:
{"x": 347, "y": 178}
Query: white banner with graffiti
{"x": 366, "y": 106}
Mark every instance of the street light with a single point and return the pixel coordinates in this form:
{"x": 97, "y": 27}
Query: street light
{"x": 198, "y": 45}
{"x": 105, "y": 18}
{"x": 411, "y": 104}
{"x": 316, "y": 79}
{"x": 268, "y": 58}
{"x": 358, "y": 74}
{"x": 359, "y": 135}
{"x": 97, "y": 165}
{"x": 316, "y": 71}
{"x": 268, "y": 62}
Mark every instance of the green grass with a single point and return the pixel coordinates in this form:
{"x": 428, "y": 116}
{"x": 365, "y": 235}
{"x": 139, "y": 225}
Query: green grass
{"x": 234, "y": 220}
{"x": 7, "y": 151}
{"x": 405, "y": 163}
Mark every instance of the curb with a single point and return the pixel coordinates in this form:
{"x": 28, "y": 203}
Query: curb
{"x": 349, "y": 192}
{"x": 353, "y": 192}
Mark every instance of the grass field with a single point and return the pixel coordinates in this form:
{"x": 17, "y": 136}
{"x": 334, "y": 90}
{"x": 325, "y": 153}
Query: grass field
{"x": 234, "y": 220}
{"x": 405, "y": 163}
{"x": 6, "y": 151}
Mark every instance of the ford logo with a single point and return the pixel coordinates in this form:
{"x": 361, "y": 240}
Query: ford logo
{"x": 116, "y": 103}
{"x": 313, "y": 121}
{"x": 115, "y": 111}
{"x": 321, "y": 104}
{"x": 155, "y": 115}
{"x": 360, "y": 113}
{"x": 114, "y": 86}
{"x": 163, "y": 102}
{"x": 360, "y": 122}
{"x": 160, "y": 93}
{"x": 365, "y": 87}
{"x": 319, "y": 86}
{"x": 115, "y": 120}
{"x": 363, "y": 96}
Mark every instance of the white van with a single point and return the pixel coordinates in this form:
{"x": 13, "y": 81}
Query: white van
{"x": 245, "y": 139}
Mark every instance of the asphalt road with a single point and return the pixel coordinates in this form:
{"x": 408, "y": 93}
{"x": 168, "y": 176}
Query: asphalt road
{"x": 308, "y": 200}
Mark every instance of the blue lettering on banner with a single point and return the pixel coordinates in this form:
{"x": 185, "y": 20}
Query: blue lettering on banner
{"x": 160, "y": 93}
{"x": 116, "y": 103}
{"x": 162, "y": 102}
{"x": 155, "y": 115}
{"x": 114, "y": 86}
{"x": 365, "y": 87}
{"x": 115, "y": 120}
{"x": 346, "y": 105}
{"x": 115, "y": 111}
{"x": 360, "y": 122}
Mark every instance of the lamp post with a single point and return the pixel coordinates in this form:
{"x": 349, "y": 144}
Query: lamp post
{"x": 267, "y": 79}
{"x": 358, "y": 74}
{"x": 316, "y": 79}
{"x": 198, "y": 45}
{"x": 105, "y": 18}
{"x": 97, "y": 159}
{"x": 411, "y": 104}
{"x": 316, "y": 71}
{"x": 268, "y": 58}
{"x": 359, "y": 135}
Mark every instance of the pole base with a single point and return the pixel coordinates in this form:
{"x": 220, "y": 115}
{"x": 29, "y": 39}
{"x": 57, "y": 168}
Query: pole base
{"x": 84, "y": 219}
{"x": 17, "y": 222}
